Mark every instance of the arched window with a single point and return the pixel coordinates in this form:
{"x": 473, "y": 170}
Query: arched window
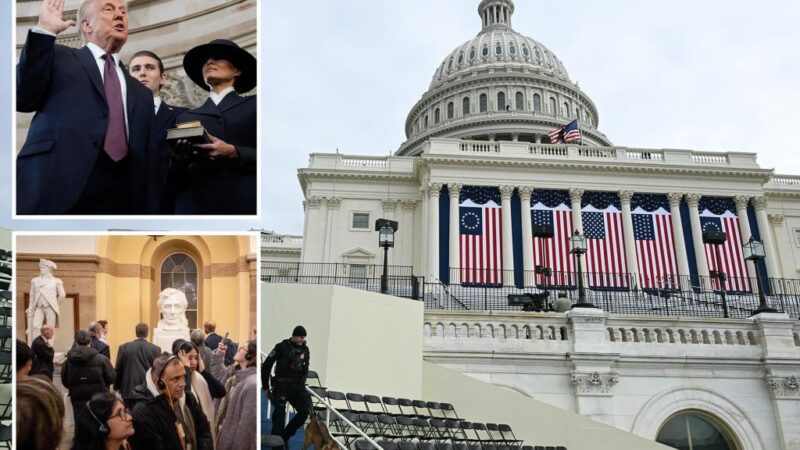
{"x": 465, "y": 106}
{"x": 450, "y": 110}
{"x": 426, "y": 121}
{"x": 519, "y": 101}
{"x": 179, "y": 271}
{"x": 501, "y": 101}
{"x": 553, "y": 110}
{"x": 537, "y": 102}
{"x": 483, "y": 103}
{"x": 577, "y": 113}
{"x": 436, "y": 116}
{"x": 471, "y": 53}
{"x": 498, "y": 50}
{"x": 693, "y": 429}
{"x": 565, "y": 111}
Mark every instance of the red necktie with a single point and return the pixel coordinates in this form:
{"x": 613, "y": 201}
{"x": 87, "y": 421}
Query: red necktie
{"x": 115, "y": 142}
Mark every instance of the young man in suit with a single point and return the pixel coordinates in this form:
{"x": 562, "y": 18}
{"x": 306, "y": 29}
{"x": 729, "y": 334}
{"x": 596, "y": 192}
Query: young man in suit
{"x": 148, "y": 68}
{"x": 88, "y": 150}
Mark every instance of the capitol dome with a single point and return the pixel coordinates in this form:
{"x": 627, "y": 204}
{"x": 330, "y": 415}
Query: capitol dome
{"x": 499, "y": 85}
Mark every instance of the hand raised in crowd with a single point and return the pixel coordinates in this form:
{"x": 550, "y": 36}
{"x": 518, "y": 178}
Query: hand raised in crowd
{"x": 201, "y": 366}
{"x": 221, "y": 348}
{"x": 51, "y": 17}
{"x": 184, "y": 358}
{"x": 219, "y": 148}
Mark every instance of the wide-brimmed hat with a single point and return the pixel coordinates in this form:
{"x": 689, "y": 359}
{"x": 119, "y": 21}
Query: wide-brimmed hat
{"x": 221, "y": 49}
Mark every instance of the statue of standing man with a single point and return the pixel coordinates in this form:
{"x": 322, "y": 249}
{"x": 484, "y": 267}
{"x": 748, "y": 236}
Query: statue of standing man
{"x": 47, "y": 292}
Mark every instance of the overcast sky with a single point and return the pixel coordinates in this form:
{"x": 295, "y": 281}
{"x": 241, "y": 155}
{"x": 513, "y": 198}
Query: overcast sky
{"x": 711, "y": 75}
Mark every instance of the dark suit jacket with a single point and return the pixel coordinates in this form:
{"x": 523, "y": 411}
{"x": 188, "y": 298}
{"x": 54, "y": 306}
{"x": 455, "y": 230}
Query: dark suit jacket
{"x": 212, "y": 342}
{"x": 42, "y": 358}
{"x": 65, "y": 89}
{"x": 133, "y": 360}
{"x": 165, "y": 119}
{"x": 223, "y": 186}
{"x": 101, "y": 347}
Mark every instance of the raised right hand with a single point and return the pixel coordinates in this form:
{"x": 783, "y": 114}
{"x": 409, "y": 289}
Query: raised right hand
{"x": 50, "y": 17}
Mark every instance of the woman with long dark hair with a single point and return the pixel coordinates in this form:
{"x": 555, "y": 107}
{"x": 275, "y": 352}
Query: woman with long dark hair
{"x": 102, "y": 424}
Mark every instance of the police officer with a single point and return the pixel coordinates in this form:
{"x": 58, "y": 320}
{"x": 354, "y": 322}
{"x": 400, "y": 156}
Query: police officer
{"x": 290, "y": 357}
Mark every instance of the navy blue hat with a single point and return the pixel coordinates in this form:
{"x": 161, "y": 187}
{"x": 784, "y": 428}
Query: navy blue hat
{"x": 221, "y": 49}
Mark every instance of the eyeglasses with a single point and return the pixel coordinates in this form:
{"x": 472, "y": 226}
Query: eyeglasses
{"x": 123, "y": 414}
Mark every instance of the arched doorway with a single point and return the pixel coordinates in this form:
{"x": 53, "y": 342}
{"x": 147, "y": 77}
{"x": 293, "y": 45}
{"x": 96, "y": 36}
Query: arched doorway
{"x": 696, "y": 430}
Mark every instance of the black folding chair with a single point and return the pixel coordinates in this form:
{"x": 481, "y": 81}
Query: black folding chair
{"x": 508, "y": 435}
{"x": 375, "y": 401}
{"x": 390, "y": 406}
{"x": 421, "y": 409}
{"x": 314, "y": 376}
{"x": 355, "y": 403}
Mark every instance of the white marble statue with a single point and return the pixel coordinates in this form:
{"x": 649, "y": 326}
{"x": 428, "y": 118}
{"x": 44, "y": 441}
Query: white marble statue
{"x": 47, "y": 293}
{"x": 173, "y": 324}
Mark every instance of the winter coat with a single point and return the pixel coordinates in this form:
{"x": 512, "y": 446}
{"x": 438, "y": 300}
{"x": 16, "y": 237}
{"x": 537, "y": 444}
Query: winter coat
{"x": 86, "y": 373}
{"x": 237, "y": 429}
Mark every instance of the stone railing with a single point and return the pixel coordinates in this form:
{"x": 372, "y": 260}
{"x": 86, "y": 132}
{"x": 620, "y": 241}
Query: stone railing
{"x": 479, "y": 325}
{"x": 361, "y": 162}
{"x": 699, "y": 332}
{"x": 281, "y": 240}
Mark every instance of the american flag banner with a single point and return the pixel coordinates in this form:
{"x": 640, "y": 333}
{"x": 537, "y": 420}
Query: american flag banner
{"x": 480, "y": 236}
{"x": 718, "y": 214}
{"x": 605, "y": 255}
{"x": 568, "y": 133}
{"x": 551, "y": 208}
{"x": 655, "y": 246}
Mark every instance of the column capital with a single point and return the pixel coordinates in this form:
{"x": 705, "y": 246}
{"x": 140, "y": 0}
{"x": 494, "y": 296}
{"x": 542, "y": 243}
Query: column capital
{"x": 434, "y": 189}
{"x": 390, "y": 205}
{"x": 454, "y": 189}
{"x": 334, "y": 202}
{"x": 776, "y": 219}
{"x": 784, "y": 387}
{"x": 674, "y": 198}
{"x": 506, "y": 191}
{"x": 314, "y": 202}
{"x": 525, "y": 192}
{"x": 741, "y": 201}
{"x": 760, "y": 203}
{"x": 575, "y": 194}
{"x": 625, "y": 197}
{"x": 693, "y": 200}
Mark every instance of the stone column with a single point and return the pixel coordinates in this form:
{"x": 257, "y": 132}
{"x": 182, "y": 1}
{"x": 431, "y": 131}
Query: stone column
{"x": 333, "y": 213}
{"x": 314, "y": 237}
{"x": 455, "y": 256}
{"x": 508, "y": 239}
{"x": 741, "y": 202}
{"x": 674, "y": 199}
{"x": 575, "y": 195}
{"x": 433, "y": 231}
{"x": 630, "y": 241}
{"x": 693, "y": 200}
{"x": 525, "y": 193}
{"x": 406, "y": 250}
{"x": 765, "y": 230}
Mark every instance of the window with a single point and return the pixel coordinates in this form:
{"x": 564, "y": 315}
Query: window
{"x": 450, "y": 110}
{"x": 525, "y": 51}
{"x": 520, "y": 101}
{"x": 426, "y": 121}
{"x": 436, "y": 116}
{"x": 695, "y": 430}
{"x": 449, "y": 65}
{"x": 552, "y": 107}
{"x": 465, "y": 106}
{"x": 577, "y": 113}
{"x": 460, "y": 58}
{"x": 498, "y": 50}
{"x": 360, "y": 221}
{"x": 483, "y": 103}
{"x": 537, "y": 102}
{"x": 179, "y": 271}
{"x": 472, "y": 53}
{"x": 797, "y": 236}
{"x": 501, "y": 101}
{"x": 512, "y": 49}
{"x": 565, "y": 111}
{"x": 358, "y": 276}
{"x": 485, "y": 51}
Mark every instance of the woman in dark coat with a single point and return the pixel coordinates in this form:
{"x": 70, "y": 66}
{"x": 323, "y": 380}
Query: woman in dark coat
{"x": 219, "y": 177}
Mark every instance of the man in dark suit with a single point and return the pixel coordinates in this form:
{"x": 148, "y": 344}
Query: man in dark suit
{"x": 148, "y": 68}
{"x": 133, "y": 360}
{"x": 96, "y": 330}
{"x": 88, "y": 150}
{"x": 43, "y": 352}
{"x": 220, "y": 177}
{"x": 213, "y": 339}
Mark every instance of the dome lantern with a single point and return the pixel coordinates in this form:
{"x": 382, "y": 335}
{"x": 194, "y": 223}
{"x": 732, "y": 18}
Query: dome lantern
{"x": 496, "y": 14}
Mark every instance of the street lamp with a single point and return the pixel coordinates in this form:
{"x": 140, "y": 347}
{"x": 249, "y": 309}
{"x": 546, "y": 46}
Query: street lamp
{"x": 717, "y": 238}
{"x": 578, "y": 242}
{"x": 386, "y": 229}
{"x": 754, "y": 251}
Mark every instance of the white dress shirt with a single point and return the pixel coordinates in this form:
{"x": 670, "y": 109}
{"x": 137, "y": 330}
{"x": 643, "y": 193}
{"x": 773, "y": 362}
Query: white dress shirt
{"x": 157, "y": 102}
{"x": 216, "y": 98}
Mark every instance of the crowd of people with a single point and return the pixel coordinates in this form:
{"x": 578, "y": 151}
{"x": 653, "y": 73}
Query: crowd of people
{"x": 187, "y": 398}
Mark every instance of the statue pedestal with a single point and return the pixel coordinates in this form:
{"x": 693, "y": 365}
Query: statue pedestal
{"x": 165, "y": 338}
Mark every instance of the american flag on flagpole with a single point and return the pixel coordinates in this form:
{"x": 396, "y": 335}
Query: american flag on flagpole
{"x": 480, "y": 236}
{"x": 605, "y": 255}
{"x": 568, "y": 133}
{"x": 718, "y": 214}
{"x": 655, "y": 246}
{"x": 551, "y": 208}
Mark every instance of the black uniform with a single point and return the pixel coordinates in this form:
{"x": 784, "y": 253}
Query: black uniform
{"x": 288, "y": 385}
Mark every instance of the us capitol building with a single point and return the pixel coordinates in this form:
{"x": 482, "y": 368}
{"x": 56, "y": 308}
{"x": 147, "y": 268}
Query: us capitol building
{"x": 486, "y": 206}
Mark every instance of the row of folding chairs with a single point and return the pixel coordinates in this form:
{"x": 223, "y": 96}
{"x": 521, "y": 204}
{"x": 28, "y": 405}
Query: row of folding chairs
{"x": 438, "y": 431}
{"x": 358, "y": 403}
{"x": 409, "y": 445}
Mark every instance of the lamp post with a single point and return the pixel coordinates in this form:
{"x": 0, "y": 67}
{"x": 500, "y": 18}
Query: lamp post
{"x": 754, "y": 251}
{"x": 385, "y": 229}
{"x": 578, "y": 242}
{"x": 717, "y": 238}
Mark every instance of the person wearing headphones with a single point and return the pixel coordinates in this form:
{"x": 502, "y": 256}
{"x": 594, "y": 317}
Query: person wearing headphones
{"x": 103, "y": 424}
{"x": 236, "y": 422}
{"x": 169, "y": 420}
